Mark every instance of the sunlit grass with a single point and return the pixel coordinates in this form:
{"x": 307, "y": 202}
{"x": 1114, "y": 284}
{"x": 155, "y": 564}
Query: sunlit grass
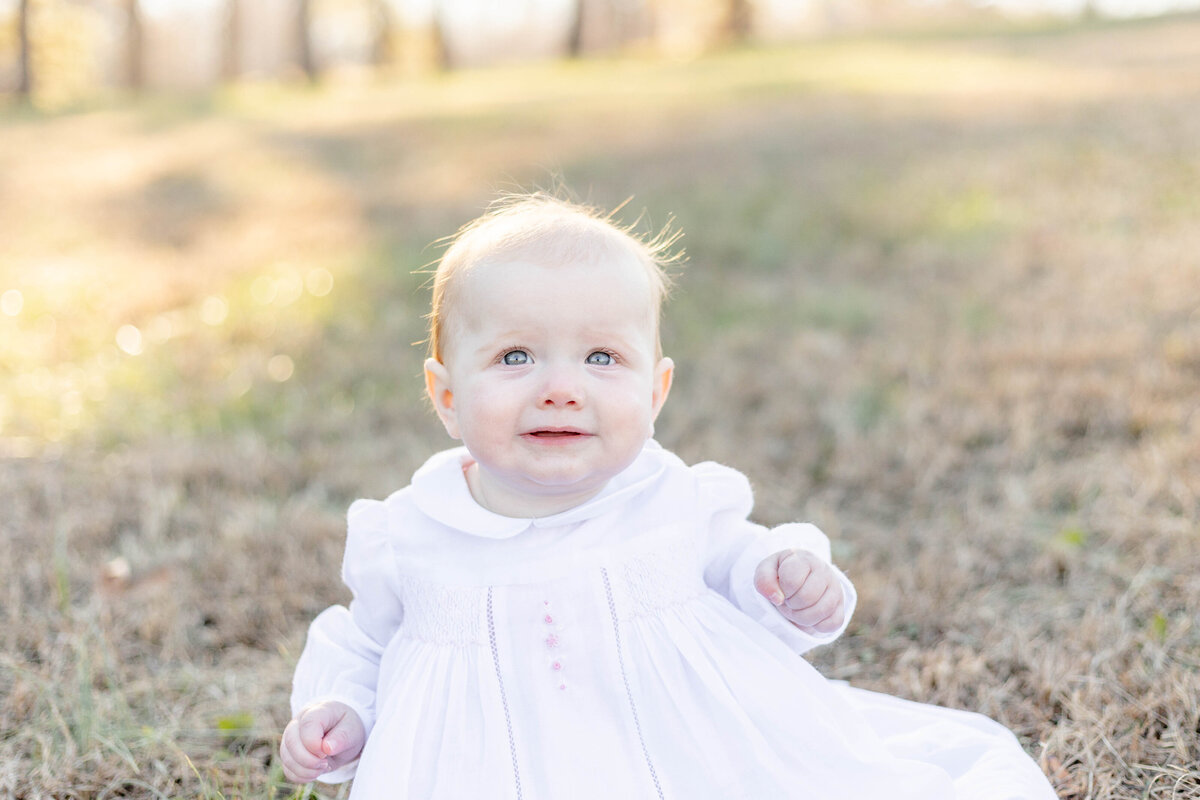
{"x": 170, "y": 370}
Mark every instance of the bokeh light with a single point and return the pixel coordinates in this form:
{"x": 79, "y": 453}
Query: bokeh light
{"x": 319, "y": 282}
{"x": 11, "y": 302}
{"x": 280, "y": 368}
{"x": 214, "y": 310}
{"x": 129, "y": 339}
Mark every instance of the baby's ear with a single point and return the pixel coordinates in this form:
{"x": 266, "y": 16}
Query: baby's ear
{"x": 664, "y": 372}
{"x": 437, "y": 385}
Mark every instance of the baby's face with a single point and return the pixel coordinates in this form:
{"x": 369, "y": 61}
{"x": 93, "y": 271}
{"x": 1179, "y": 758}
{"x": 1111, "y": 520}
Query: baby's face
{"x": 550, "y": 378}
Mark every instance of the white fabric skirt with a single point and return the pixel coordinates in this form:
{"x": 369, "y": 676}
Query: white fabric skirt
{"x": 690, "y": 702}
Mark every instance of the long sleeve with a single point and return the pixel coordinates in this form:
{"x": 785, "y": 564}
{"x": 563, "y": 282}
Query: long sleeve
{"x": 341, "y": 656}
{"x": 735, "y": 546}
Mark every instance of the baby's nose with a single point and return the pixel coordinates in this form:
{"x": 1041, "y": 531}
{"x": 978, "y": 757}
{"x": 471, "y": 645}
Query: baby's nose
{"x": 559, "y": 400}
{"x": 561, "y": 397}
{"x": 562, "y": 388}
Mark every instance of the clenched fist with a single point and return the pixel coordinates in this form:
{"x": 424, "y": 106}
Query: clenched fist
{"x": 322, "y": 738}
{"x": 804, "y": 589}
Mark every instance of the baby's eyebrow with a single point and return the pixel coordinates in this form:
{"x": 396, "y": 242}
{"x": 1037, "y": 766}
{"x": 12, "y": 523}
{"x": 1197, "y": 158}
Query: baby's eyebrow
{"x": 507, "y": 338}
{"x": 496, "y": 350}
{"x": 617, "y": 341}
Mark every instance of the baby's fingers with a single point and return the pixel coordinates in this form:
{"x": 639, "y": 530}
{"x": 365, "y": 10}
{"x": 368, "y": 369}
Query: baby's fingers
{"x": 824, "y": 616}
{"x": 300, "y": 764}
{"x": 802, "y": 579}
{"x": 345, "y": 740}
{"x": 767, "y": 578}
{"x": 804, "y": 589}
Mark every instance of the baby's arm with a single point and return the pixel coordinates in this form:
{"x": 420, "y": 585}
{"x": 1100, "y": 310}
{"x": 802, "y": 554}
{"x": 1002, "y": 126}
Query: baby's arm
{"x": 322, "y": 737}
{"x": 748, "y": 563}
{"x": 333, "y": 689}
{"x": 804, "y": 589}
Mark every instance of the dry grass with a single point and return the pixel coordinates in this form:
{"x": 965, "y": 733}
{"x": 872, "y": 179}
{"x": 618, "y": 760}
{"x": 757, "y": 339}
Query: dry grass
{"x": 944, "y": 301}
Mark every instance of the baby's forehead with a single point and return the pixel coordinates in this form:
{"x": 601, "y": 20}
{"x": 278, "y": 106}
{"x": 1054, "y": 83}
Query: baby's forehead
{"x": 511, "y": 298}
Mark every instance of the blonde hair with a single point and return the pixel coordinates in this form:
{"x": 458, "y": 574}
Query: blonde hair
{"x": 555, "y": 231}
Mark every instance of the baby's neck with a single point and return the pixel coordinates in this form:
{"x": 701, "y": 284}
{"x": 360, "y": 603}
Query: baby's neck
{"x": 520, "y": 505}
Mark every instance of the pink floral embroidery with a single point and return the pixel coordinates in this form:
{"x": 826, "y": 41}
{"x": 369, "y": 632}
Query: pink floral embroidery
{"x": 553, "y": 642}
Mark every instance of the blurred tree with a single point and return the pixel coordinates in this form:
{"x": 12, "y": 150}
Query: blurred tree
{"x": 441, "y": 51}
{"x": 383, "y": 37}
{"x": 135, "y": 75}
{"x": 24, "y": 68}
{"x": 575, "y": 32}
{"x": 231, "y": 52}
{"x": 607, "y": 25}
{"x": 304, "y": 48}
{"x": 739, "y": 19}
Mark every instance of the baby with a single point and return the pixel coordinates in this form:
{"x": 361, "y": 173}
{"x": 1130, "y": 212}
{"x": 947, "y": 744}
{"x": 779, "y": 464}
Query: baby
{"x": 560, "y": 608}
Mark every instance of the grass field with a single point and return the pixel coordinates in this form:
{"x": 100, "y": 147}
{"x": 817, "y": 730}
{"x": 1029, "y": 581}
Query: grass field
{"x": 943, "y": 299}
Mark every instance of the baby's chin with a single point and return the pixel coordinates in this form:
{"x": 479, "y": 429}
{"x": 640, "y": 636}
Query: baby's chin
{"x": 574, "y": 479}
{"x": 548, "y": 486}
{"x": 539, "y": 494}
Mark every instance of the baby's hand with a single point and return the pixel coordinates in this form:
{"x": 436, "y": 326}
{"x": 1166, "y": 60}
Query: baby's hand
{"x": 321, "y": 738}
{"x": 804, "y": 589}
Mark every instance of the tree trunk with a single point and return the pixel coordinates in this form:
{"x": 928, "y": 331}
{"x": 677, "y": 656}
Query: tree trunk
{"x": 308, "y": 62}
{"x": 739, "y": 20}
{"x": 24, "y": 68}
{"x": 575, "y": 32}
{"x": 135, "y": 75}
{"x": 231, "y": 52}
{"x": 382, "y": 40}
{"x": 442, "y": 56}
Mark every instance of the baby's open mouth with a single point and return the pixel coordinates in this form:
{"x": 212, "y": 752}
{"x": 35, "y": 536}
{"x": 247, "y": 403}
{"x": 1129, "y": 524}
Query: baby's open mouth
{"x": 554, "y": 434}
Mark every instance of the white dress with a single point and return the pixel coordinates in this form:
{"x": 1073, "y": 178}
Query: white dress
{"x": 615, "y": 650}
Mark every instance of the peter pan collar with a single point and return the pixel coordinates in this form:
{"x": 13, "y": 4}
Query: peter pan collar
{"x": 439, "y": 490}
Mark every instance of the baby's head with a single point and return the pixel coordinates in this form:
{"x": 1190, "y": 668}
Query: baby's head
{"x": 543, "y": 229}
{"x": 544, "y": 352}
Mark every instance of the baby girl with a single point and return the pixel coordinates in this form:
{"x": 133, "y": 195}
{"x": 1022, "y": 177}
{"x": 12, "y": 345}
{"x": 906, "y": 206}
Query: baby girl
{"x": 561, "y": 608}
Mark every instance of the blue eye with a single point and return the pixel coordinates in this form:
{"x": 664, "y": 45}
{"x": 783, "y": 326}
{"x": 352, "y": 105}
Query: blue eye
{"x": 600, "y": 359}
{"x": 515, "y": 358}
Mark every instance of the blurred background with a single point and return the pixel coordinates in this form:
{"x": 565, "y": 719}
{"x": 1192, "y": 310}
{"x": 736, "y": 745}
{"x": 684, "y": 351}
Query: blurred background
{"x": 64, "y": 52}
{"x": 942, "y": 298}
